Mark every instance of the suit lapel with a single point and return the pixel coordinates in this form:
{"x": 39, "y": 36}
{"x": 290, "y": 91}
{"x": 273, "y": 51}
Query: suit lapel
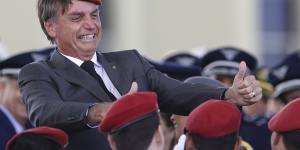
{"x": 74, "y": 74}
{"x": 118, "y": 76}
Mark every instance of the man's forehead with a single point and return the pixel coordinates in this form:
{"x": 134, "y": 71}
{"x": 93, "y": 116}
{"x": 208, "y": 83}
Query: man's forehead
{"x": 76, "y": 6}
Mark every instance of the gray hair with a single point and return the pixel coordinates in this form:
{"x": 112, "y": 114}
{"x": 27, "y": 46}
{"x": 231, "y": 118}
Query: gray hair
{"x": 48, "y": 10}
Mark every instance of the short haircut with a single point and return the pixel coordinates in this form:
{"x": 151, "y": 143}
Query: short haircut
{"x": 291, "y": 140}
{"x": 48, "y": 10}
{"x": 35, "y": 142}
{"x": 137, "y": 136}
{"x": 226, "y": 142}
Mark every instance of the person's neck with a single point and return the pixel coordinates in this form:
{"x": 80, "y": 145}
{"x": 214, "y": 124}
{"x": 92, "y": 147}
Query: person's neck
{"x": 71, "y": 54}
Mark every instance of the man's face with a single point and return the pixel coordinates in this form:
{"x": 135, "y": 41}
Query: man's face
{"x": 77, "y": 31}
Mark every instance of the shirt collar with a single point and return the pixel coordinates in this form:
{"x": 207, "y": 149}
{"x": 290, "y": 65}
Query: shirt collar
{"x": 79, "y": 62}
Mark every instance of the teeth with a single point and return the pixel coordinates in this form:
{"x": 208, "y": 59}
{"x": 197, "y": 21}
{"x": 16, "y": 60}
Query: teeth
{"x": 88, "y": 37}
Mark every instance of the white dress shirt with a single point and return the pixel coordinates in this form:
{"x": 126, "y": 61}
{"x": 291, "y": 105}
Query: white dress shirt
{"x": 100, "y": 71}
{"x": 181, "y": 143}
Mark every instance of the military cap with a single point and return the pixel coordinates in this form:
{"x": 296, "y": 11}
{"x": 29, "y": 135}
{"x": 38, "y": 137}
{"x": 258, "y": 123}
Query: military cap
{"x": 183, "y": 59}
{"x": 214, "y": 118}
{"x": 176, "y": 71}
{"x": 12, "y": 65}
{"x": 129, "y": 109}
{"x": 226, "y": 60}
{"x": 286, "y": 75}
{"x": 286, "y": 119}
{"x": 56, "y": 134}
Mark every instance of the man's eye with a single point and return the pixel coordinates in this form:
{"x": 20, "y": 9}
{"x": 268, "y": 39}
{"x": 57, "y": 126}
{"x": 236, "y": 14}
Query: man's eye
{"x": 75, "y": 18}
{"x": 95, "y": 14}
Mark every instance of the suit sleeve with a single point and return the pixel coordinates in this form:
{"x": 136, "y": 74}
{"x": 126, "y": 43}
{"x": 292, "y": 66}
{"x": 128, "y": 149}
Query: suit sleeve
{"x": 44, "y": 105}
{"x": 175, "y": 96}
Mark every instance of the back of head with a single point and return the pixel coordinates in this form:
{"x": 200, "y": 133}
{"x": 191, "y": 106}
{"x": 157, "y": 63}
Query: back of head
{"x": 41, "y": 138}
{"x": 137, "y": 136}
{"x": 226, "y": 142}
{"x": 291, "y": 140}
{"x": 214, "y": 125}
{"x": 35, "y": 142}
{"x": 131, "y": 121}
{"x": 287, "y": 124}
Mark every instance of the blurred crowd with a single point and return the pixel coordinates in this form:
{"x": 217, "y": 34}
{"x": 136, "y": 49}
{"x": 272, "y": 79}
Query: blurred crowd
{"x": 249, "y": 125}
{"x": 72, "y": 96}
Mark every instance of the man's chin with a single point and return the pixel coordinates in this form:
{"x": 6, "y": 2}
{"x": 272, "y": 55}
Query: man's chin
{"x": 90, "y": 49}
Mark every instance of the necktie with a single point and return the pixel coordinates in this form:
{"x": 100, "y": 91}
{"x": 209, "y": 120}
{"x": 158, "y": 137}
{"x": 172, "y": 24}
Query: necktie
{"x": 88, "y": 66}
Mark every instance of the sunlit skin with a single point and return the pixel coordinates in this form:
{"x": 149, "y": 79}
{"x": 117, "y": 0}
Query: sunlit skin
{"x": 77, "y": 32}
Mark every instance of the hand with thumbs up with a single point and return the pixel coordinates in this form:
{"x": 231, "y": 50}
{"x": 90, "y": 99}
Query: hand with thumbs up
{"x": 245, "y": 90}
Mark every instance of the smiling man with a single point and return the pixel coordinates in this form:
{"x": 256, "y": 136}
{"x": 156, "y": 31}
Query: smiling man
{"x": 75, "y": 87}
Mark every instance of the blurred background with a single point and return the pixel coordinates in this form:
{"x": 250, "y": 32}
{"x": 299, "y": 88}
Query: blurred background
{"x": 269, "y": 29}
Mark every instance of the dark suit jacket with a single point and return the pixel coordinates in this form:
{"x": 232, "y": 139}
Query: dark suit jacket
{"x": 58, "y": 93}
{"x": 7, "y": 130}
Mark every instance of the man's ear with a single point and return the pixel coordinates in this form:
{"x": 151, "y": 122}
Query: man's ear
{"x": 276, "y": 138}
{"x": 111, "y": 142}
{"x": 50, "y": 27}
{"x": 158, "y": 135}
{"x": 238, "y": 142}
{"x": 189, "y": 144}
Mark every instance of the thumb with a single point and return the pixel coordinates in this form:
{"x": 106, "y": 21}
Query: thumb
{"x": 242, "y": 71}
{"x": 134, "y": 88}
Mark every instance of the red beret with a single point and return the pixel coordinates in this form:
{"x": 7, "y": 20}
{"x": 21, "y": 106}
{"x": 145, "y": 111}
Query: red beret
{"x": 60, "y": 136}
{"x": 214, "y": 118}
{"x": 128, "y": 110}
{"x": 97, "y": 2}
{"x": 286, "y": 119}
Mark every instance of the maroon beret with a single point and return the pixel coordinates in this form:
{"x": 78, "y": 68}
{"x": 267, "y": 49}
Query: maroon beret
{"x": 214, "y": 118}
{"x": 129, "y": 109}
{"x": 58, "y": 135}
{"x": 97, "y": 2}
{"x": 286, "y": 119}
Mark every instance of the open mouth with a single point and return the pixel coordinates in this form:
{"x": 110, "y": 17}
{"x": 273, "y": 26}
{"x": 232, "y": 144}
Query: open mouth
{"x": 87, "y": 37}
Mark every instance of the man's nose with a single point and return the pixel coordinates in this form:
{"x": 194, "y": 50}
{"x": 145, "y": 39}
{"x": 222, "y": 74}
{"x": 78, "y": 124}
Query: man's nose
{"x": 89, "y": 23}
